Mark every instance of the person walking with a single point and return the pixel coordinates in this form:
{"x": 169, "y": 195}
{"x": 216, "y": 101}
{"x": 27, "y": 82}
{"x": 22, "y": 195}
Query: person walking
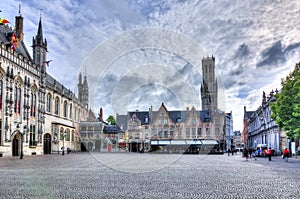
{"x": 253, "y": 154}
{"x": 245, "y": 153}
{"x": 270, "y": 153}
{"x": 286, "y": 154}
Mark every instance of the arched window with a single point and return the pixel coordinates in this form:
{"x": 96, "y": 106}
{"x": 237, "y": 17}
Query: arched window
{"x": 61, "y": 133}
{"x": 68, "y": 135}
{"x": 56, "y": 111}
{"x": 48, "y": 103}
{"x": 17, "y": 106}
{"x": 70, "y": 111}
{"x": 65, "y": 108}
{"x": 33, "y": 104}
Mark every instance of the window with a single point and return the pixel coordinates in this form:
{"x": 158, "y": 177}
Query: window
{"x": 61, "y": 134}
{"x": 56, "y": 111}
{"x": 159, "y": 122}
{"x": 193, "y": 121}
{"x": 17, "y": 107}
{"x": 165, "y": 121}
{"x": 65, "y": 108}
{"x": 48, "y": 103}
{"x": 207, "y": 132}
{"x": 165, "y": 132}
{"x": 171, "y": 132}
{"x": 33, "y": 105}
{"x": 199, "y": 133}
{"x": 217, "y": 120}
{"x": 179, "y": 132}
{"x": 32, "y": 141}
{"x": 70, "y": 112}
{"x": 188, "y": 133}
{"x": 194, "y": 132}
{"x": 160, "y": 133}
{"x": 68, "y": 135}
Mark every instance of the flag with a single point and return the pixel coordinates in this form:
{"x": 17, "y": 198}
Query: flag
{"x": 3, "y": 21}
{"x": 47, "y": 62}
{"x": 14, "y": 42}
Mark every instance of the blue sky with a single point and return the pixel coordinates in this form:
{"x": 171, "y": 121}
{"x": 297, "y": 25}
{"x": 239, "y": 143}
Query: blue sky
{"x": 255, "y": 43}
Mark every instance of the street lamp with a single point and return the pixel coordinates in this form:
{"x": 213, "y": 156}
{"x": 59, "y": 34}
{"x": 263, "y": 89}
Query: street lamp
{"x": 22, "y": 140}
{"x": 63, "y": 148}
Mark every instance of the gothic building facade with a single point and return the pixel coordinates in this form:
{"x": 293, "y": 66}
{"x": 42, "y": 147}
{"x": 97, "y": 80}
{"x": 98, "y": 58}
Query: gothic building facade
{"x": 38, "y": 115}
{"x": 176, "y": 130}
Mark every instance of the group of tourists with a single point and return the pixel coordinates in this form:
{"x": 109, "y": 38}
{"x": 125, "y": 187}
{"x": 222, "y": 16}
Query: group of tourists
{"x": 249, "y": 153}
{"x": 266, "y": 153}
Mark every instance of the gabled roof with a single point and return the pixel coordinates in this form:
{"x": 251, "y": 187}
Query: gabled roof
{"x": 142, "y": 116}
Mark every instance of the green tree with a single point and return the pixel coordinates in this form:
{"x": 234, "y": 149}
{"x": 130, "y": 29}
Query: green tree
{"x": 286, "y": 109}
{"x": 111, "y": 120}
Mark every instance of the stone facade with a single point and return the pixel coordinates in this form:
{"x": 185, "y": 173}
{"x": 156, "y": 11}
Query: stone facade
{"x": 38, "y": 115}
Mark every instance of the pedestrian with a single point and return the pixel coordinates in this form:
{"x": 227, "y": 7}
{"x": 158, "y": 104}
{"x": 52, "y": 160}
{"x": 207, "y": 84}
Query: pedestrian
{"x": 245, "y": 153}
{"x": 265, "y": 153}
{"x": 250, "y": 152}
{"x": 228, "y": 151}
{"x": 253, "y": 154}
{"x": 62, "y": 150}
{"x": 286, "y": 154}
{"x": 258, "y": 151}
{"x": 232, "y": 151}
{"x": 270, "y": 153}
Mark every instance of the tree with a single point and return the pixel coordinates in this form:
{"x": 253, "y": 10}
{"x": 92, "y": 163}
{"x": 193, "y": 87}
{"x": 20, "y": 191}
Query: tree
{"x": 286, "y": 109}
{"x": 111, "y": 120}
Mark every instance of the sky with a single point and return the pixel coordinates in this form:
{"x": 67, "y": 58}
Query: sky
{"x": 138, "y": 54}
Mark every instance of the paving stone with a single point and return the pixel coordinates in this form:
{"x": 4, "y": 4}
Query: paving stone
{"x": 133, "y": 175}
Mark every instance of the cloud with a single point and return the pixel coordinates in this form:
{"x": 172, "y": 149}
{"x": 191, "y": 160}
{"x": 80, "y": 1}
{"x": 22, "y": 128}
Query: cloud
{"x": 246, "y": 37}
{"x": 272, "y": 56}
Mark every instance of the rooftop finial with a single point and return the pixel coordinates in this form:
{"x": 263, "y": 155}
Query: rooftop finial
{"x": 41, "y": 13}
{"x": 20, "y": 10}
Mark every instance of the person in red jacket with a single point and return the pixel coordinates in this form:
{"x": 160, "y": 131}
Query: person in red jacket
{"x": 286, "y": 154}
{"x": 269, "y": 153}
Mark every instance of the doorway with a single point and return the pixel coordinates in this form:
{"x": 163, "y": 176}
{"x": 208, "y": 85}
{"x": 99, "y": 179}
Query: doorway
{"x": 47, "y": 143}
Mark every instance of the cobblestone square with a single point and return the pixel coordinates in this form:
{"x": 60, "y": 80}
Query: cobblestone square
{"x": 134, "y": 175}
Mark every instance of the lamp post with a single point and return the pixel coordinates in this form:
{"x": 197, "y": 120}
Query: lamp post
{"x": 22, "y": 140}
{"x": 63, "y": 148}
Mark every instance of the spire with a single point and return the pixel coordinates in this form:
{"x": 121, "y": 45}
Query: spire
{"x": 39, "y": 36}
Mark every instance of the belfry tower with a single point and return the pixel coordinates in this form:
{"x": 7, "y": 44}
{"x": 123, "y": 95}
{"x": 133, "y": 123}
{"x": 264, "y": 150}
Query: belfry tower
{"x": 209, "y": 86}
{"x": 83, "y": 91}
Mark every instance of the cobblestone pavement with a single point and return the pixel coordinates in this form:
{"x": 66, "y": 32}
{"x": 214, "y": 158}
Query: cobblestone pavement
{"x": 128, "y": 175}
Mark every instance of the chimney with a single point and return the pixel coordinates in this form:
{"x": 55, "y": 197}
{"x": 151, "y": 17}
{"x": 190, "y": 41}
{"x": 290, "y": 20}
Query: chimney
{"x": 19, "y": 25}
{"x": 244, "y": 109}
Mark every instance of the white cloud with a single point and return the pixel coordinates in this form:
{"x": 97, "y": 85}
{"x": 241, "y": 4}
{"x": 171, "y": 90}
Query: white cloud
{"x": 240, "y": 34}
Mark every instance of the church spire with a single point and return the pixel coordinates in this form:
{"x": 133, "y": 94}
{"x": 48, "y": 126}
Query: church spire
{"x": 39, "y": 36}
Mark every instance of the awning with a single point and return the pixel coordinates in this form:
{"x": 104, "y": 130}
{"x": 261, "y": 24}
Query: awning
{"x": 193, "y": 142}
{"x": 164, "y": 142}
{"x": 178, "y": 142}
{"x": 209, "y": 142}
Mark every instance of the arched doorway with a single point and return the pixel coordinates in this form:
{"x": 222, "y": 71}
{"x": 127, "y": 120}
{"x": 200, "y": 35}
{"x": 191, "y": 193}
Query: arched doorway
{"x": 47, "y": 143}
{"x": 90, "y": 146}
{"x": 15, "y": 145}
{"x": 83, "y": 146}
{"x": 97, "y": 145}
